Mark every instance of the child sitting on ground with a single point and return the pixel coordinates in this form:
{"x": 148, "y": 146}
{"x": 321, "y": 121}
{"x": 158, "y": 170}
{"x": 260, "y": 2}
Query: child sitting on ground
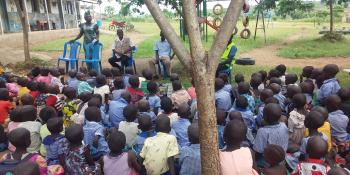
{"x": 102, "y": 87}
{"x": 234, "y": 135}
{"x": 53, "y": 99}
{"x": 317, "y": 150}
{"x": 337, "y": 119}
{"x": 144, "y": 108}
{"x": 44, "y": 76}
{"x": 83, "y": 86}
{"x": 239, "y": 78}
{"x": 296, "y": 119}
{"x": 5, "y": 105}
{"x": 29, "y": 116}
{"x": 192, "y": 91}
{"x": 190, "y": 160}
{"x": 265, "y": 94}
{"x": 273, "y": 132}
{"x": 228, "y": 86}
{"x": 94, "y": 133}
{"x": 344, "y": 94}
{"x": 77, "y": 159}
{"x": 145, "y": 125}
{"x": 288, "y": 103}
{"x": 244, "y": 90}
{"x": 40, "y": 101}
{"x": 291, "y": 79}
{"x": 33, "y": 87}
{"x": 276, "y": 89}
{"x": 164, "y": 145}
{"x": 117, "y": 161}
{"x": 21, "y": 139}
{"x": 55, "y": 144}
{"x": 55, "y": 78}
{"x": 44, "y": 115}
{"x": 27, "y": 99}
{"x": 274, "y": 156}
{"x": 92, "y": 78}
{"x": 129, "y": 127}
{"x": 73, "y": 81}
{"x": 15, "y": 120}
{"x": 11, "y": 85}
{"x": 255, "y": 82}
{"x": 148, "y": 75}
{"x": 179, "y": 94}
{"x": 222, "y": 98}
{"x": 136, "y": 93}
{"x": 129, "y": 71}
{"x": 152, "y": 97}
{"x": 22, "y": 86}
{"x": 167, "y": 108}
{"x": 220, "y": 125}
{"x": 282, "y": 73}
{"x": 181, "y": 125}
{"x": 119, "y": 88}
{"x": 306, "y": 74}
{"x": 307, "y": 88}
{"x": 330, "y": 85}
{"x": 70, "y": 105}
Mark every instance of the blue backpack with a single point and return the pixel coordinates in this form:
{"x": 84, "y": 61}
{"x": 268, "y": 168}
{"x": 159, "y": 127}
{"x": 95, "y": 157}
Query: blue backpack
{"x": 7, "y": 166}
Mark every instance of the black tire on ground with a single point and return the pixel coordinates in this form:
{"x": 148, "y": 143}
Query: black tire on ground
{"x": 245, "y": 61}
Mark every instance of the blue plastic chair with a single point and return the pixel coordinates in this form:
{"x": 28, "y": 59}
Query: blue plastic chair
{"x": 73, "y": 58}
{"x": 93, "y": 56}
{"x": 131, "y": 60}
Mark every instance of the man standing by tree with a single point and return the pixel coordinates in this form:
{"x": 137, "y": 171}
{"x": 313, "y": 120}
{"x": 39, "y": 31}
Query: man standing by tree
{"x": 122, "y": 50}
{"x": 163, "y": 52}
{"x": 89, "y": 30}
{"x": 228, "y": 57}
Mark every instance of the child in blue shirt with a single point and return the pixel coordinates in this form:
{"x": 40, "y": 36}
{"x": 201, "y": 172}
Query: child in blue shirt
{"x": 73, "y": 81}
{"x": 220, "y": 123}
{"x": 129, "y": 71}
{"x": 94, "y": 133}
{"x": 145, "y": 125}
{"x": 244, "y": 90}
{"x": 144, "y": 108}
{"x": 330, "y": 85}
{"x": 276, "y": 89}
{"x": 264, "y": 95}
{"x": 152, "y": 97}
{"x": 180, "y": 126}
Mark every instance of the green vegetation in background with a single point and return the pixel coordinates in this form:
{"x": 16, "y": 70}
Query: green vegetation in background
{"x": 146, "y": 48}
{"x": 57, "y": 45}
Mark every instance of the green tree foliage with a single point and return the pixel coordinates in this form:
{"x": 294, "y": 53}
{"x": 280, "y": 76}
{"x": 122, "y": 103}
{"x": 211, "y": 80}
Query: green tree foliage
{"x": 294, "y": 8}
{"x": 110, "y": 11}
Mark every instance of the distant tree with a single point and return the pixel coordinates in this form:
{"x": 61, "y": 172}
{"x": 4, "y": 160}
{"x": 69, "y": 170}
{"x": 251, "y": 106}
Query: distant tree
{"x": 331, "y": 3}
{"x": 110, "y": 11}
{"x": 292, "y": 7}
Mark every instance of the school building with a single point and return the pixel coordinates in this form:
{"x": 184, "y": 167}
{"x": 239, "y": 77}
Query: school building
{"x": 42, "y": 15}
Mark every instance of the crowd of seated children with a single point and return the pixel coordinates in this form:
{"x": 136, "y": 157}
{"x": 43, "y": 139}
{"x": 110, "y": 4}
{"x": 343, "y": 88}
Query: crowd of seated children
{"x": 114, "y": 123}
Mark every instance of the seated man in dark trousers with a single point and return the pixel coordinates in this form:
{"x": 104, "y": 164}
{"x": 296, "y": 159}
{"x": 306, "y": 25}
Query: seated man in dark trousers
{"x": 122, "y": 50}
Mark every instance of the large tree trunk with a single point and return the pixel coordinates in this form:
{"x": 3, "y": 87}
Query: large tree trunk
{"x": 22, "y": 13}
{"x": 331, "y": 16}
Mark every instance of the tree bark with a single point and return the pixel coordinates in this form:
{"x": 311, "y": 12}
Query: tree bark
{"x": 22, "y": 13}
{"x": 331, "y": 16}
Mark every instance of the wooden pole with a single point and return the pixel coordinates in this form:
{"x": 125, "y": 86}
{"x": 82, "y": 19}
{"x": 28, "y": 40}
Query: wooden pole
{"x": 2, "y": 27}
{"x": 64, "y": 21}
{"x": 25, "y": 6}
{"x": 76, "y": 13}
{"x": 47, "y": 15}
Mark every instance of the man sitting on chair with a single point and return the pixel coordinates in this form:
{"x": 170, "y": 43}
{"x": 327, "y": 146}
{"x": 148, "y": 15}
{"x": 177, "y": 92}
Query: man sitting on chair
{"x": 163, "y": 54}
{"x": 122, "y": 50}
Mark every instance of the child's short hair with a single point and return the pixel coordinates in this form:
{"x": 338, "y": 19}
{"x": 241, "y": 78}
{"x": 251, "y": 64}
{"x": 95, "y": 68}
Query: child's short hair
{"x": 115, "y": 72}
{"x": 70, "y": 92}
{"x": 321, "y": 110}
{"x": 106, "y": 72}
{"x": 316, "y": 148}
{"x": 219, "y": 84}
{"x": 307, "y": 71}
{"x": 129, "y": 70}
{"x": 35, "y": 71}
{"x": 163, "y": 124}
{"x": 44, "y": 71}
{"x": 344, "y": 94}
{"x": 55, "y": 125}
{"x": 46, "y": 113}
{"x": 265, "y": 94}
{"x": 333, "y": 103}
{"x": 271, "y": 100}
{"x": 241, "y": 102}
{"x": 22, "y": 81}
{"x": 239, "y": 78}
{"x": 81, "y": 76}
{"x": 27, "y": 99}
{"x": 16, "y": 114}
{"x": 292, "y": 90}
{"x": 184, "y": 110}
{"x": 224, "y": 77}
{"x": 143, "y": 106}
{"x": 4, "y": 94}
{"x": 29, "y": 112}
{"x": 166, "y": 104}
{"x": 145, "y": 123}
{"x": 126, "y": 96}
{"x": 53, "y": 89}
{"x": 20, "y": 138}
{"x": 32, "y": 85}
{"x": 74, "y": 134}
{"x": 276, "y": 88}
{"x": 291, "y": 78}
{"x": 255, "y": 81}
{"x": 83, "y": 70}
{"x": 307, "y": 87}
{"x": 243, "y": 88}
{"x": 130, "y": 113}
{"x": 235, "y": 132}
{"x": 299, "y": 100}
{"x": 220, "y": 117}
{"x": 92, "y": 73}
{"x": 177, "y": 85}
{"x": 118, "y": 83}
{"x": 274, "y": 154}
{"x": 274, "y": 73}
{"x": 314, "y": 120}
{"x": 152, "y": 87}
{"x": 263, "y": 75}
{"x": 3, "y": 83}
{"x": 331, "y": 70}
{"x": 42, "y": 87}
{"x": 93, "y": 114}
{"x": 281, "y": 68}
{"x": 85, "y": 96}
{"x": 193, "y": 133}
{"x": 275, "y": 80}
{"x": 116, "y": 141}
{"x": 101, "y": 80}
{"x": 147, "y": 74}
{"x": 272, "y": 113}
{"x": 134, "y": 81}
{"x": 174, "y": 76}
{"x": 94, "y": 102}
{"x": 72, "y": 73}
{"x": 235, "y": 115}
{"x": 61, "y": 71}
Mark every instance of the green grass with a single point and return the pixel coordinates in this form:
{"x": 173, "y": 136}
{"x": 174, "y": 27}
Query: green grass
{"x": 145, "y": 49}
{"x": 57, "y": 45}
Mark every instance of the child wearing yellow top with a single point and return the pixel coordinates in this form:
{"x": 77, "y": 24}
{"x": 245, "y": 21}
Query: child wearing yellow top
{"x": 22, "y": 89}
{"x": 325, "y": 128}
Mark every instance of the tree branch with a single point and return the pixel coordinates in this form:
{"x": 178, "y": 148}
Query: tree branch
{"x": 19, "y": 10}
{"x": 174, "y": 40}
{"x": 222, "y": 37}
{"x": 196, "y": 46}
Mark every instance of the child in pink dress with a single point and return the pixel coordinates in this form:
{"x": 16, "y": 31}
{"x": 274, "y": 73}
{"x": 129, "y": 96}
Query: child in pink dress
{"x": 44, "y": 76}
{"x": 15, "y": 120}
{"x": 236, "y": 160}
